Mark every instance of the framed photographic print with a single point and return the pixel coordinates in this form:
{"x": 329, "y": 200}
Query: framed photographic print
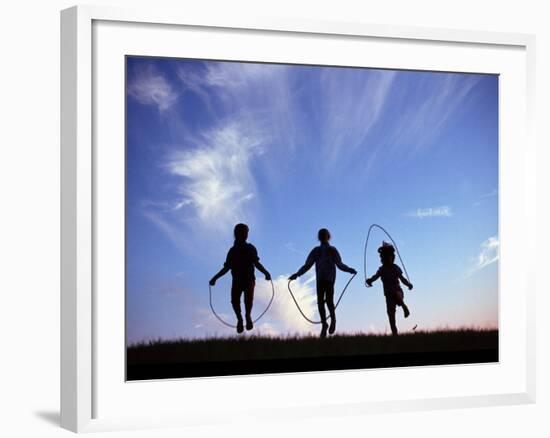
{"x": 301, "y": 206}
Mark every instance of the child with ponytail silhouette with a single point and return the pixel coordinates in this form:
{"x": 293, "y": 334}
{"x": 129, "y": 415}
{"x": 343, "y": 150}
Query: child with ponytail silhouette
{"x": 391, "y": 274}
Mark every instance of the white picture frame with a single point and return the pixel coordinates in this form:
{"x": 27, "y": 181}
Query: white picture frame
{"x": 80, "y": 340}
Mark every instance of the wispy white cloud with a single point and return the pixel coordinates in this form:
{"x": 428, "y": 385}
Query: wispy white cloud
{"x": 430, "y": 212}
{"x": 149, "y": 87}
{"x": 441, "y": 97}
{"x": 217, "y": 184}
{"x": 484, "y": 197}
{"x": 239, "y": 86}
{"x": 236, "y": 75}
{"x": 291, "y": 247}
{"x": 355, "y": 108}
{"x": 260, "y": 95}
{"x": 488, "y": 254}
{"x": 490, "y": 194}
{"x": 182, "y": 203}
{"x": 193, "y": 81}
{"x": 172, "y": 232}
{"x": 351, "y": 102}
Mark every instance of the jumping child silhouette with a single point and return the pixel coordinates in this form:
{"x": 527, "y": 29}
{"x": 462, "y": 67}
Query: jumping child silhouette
{"x": 391, "y": 274}
{"x": 241, "y": 260}
{"x": 326, "y": 258}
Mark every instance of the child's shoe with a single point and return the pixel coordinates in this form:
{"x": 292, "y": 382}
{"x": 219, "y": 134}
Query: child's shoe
{"x": 406, "y": 312}
{"x": 240, "y": 327}
{"x": 249, "y": 323}
{"x": 324, "y": 330}
{"x": 332, "y": 327}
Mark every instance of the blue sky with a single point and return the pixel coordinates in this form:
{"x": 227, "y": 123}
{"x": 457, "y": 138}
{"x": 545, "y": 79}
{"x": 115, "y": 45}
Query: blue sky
{"x": 290, "y": 149}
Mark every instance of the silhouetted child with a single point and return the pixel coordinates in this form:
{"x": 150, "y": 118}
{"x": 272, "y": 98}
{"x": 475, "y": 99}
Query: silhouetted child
{"x": 326, "y": 258}
{"x": 391, "y": 274}
{"x": 241, "y": 260}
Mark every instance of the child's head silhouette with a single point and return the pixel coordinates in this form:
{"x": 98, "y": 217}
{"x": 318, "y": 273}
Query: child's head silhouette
{"x": 240, "y": 232}
{"x": 387, "y": 253}
{"x": 323, "y": 235}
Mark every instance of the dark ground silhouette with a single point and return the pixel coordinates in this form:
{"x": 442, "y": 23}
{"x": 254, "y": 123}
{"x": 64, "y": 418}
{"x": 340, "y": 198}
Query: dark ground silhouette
{"x": 256, "y": 355}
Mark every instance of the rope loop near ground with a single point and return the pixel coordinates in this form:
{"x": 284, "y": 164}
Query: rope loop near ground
{"x": 255, "y": 321}
{"x": 335, "y": 306}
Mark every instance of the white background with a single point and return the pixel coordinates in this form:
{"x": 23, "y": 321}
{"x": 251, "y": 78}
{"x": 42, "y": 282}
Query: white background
{"x": 29, "y": 240}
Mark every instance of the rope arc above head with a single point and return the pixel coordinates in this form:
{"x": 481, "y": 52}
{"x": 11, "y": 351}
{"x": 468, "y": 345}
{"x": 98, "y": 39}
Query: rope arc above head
{"x": 219, "y": 318}
{"x": 335, "y": 305}
{"x": 394, "y": 245}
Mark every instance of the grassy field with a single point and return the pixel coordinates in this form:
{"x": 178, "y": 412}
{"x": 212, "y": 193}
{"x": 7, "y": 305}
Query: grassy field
{"x": 267, "y": 348}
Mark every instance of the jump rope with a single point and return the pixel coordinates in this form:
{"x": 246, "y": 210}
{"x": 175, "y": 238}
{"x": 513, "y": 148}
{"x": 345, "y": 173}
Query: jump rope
{"x": 341, "y": 293}
{"x": 255, "y": 320}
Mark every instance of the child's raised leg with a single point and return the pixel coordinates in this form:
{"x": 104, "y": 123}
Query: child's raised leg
{"x": 399, "y": 299}
{"x": 406, "y": 311}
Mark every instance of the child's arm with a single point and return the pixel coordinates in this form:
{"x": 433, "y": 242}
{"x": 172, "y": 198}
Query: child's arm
{"x": 341, "y": 265}
{"x": 224, "y": 270}
{"x": 372, "y": 279}
{"x": 261, "y": 268}
{"x": 221, "y": 273}
{"x": 405, "y": 281}
{"x": 307, "y": 265}
{"x": 257, "y": 263}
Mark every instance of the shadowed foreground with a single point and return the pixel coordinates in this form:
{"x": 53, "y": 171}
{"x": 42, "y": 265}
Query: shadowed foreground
{"x": 255, "y": 355}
